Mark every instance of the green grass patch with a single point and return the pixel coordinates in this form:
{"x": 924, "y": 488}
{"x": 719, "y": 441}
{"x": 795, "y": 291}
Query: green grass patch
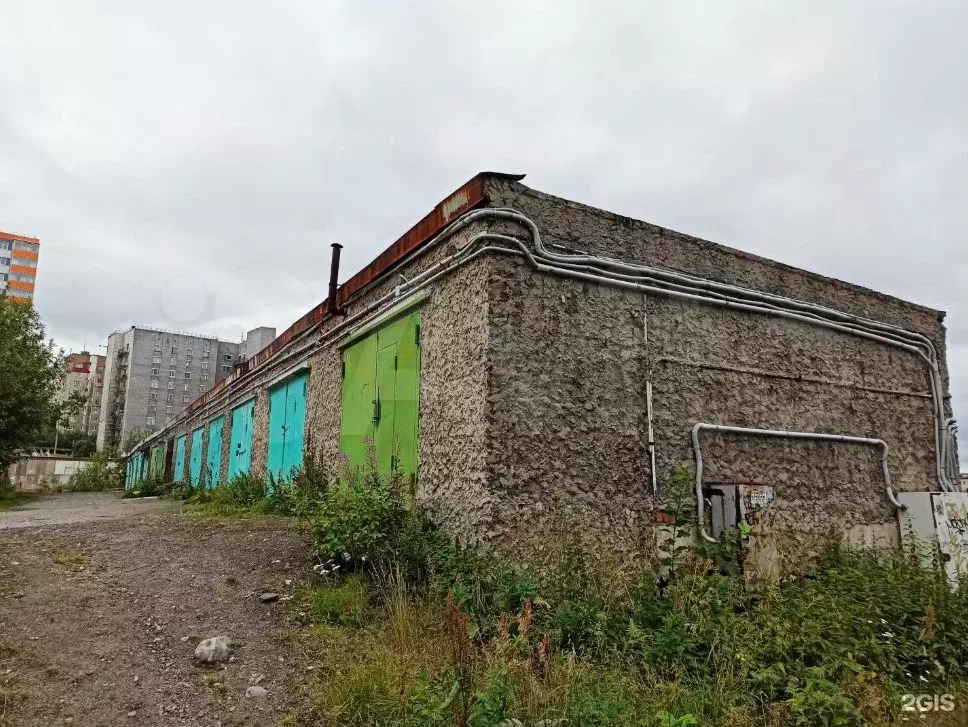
{"x": 409, "y": 629}
{"x": 14, "y": 498}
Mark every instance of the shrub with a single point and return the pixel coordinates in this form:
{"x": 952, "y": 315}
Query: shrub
{"x": 358, "y": 520}
{"x": 100, "y": 473}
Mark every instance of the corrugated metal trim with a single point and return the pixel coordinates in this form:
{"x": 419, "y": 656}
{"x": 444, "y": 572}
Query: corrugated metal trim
{"x": 467, "y": 197}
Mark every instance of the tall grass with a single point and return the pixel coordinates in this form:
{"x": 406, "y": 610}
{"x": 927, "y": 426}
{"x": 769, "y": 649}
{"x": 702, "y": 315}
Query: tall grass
{"x": 411, "y": 630}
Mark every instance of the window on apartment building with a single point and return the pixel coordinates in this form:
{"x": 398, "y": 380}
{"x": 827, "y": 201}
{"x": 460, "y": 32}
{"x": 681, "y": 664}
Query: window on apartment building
{"x": 186, "y": 387}
{"x": 227, "y": 357}
{"x": 201, "y": 387}
{"x": 152, "y": 396}
{"x": 184, "y": 398}
{"x": 174, "y": 350}
{"x": 204, "y": 376}
{"x": 172, "y": 361}
{"x": 204, "y": 364}
{"x": 154, "y": 384}
{"x": 156, "y": 359}
{"x": 204, "y": 354}
{"x": 171, "y": 374}
{"x": 157, "y": 348}
{"x": 154, "y": 372}
{"x": 226, "y": 368}
{"x": 188, "y": 374}
{"x": 167, "y": 410}
{"x": 152, "y": 409}
{"x": 170, "y": 397}
{"x": 188, "y": 363}
{"x": 150, "y": 421}
{"x": 171, "y": 384}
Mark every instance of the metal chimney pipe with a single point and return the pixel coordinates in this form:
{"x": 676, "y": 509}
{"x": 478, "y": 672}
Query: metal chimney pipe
{"x": 333, "y": 277}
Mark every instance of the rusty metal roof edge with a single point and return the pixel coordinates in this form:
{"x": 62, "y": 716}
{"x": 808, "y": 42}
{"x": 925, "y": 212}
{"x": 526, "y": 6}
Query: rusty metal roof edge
{"x": 426, "y": 229}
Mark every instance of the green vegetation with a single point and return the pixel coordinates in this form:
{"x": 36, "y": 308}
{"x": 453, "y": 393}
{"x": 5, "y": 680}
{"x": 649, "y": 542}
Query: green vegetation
{"x": 411, "y": 630}
{"x": 101, "y": 473}
{"x": 10, "y": 497}
{"x": 30, "y": 372}
{"x": 76, "y": 444}
{"x": 407, "y": 628}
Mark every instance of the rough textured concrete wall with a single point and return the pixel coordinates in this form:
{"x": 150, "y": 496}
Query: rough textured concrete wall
{"x": 453, "y": 386}
{"x": 727, "y": 367}
{"x": 569, "y": 365}
{"x": 567, "y": 419}
{"x": 226, "y": 445}
{"x": 451, "y": 439}
{"x": 324, "y": 399}
{"x": 260, "y": 432}
{"x": 453, "y": 480}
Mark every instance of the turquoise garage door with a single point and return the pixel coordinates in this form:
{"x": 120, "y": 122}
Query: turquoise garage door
{"x": 180, "y": 459}
{"x": 240, "y": 448}
{"x": 287, "y": 425}
{"x": 195, "y": 464}
{"x": 213, "y": 460}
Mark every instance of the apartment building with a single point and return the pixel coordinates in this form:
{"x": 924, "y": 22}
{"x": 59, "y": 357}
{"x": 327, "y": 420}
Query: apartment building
{"x": 151, "y": 375}
{"x": 95, "y": 389}
{"x": 18, "y": 265}
{"x": 79, "y": 378}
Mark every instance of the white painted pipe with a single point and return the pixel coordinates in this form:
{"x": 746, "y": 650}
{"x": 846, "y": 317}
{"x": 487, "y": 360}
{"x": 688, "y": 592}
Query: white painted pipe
{"x": 653, "y": 280}
{"x": 783, "y": 434}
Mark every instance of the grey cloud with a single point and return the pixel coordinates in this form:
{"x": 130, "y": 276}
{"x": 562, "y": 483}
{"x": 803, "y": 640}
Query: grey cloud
{"x": 186, "y": 165}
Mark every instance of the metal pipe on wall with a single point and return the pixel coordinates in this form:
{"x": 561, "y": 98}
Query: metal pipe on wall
{"x": 782, "y": 434}
{"x": 644, "y": 279}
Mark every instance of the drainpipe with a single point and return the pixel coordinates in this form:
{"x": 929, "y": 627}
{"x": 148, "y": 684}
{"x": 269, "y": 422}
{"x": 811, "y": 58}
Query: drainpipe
{"x": 783, "y": 434}
{"x": 331, "y": 308}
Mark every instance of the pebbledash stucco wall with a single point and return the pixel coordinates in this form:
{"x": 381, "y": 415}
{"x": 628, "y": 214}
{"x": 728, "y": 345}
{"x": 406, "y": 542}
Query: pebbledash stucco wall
{"x": 452, "y": 480}
{"x": 569, "y": 363}
{"x": 533, "y": 388}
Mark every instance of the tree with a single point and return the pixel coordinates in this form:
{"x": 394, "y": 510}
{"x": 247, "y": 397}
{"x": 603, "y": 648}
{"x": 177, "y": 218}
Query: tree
{"x": 135, "y": 436}
{"x": 30, "y": 373}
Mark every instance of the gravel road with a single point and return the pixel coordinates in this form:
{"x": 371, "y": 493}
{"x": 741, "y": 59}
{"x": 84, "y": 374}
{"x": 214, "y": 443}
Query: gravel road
{"x": 103, "y": 600}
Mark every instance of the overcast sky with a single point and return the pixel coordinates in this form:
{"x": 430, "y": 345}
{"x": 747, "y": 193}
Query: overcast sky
{"x": 186, "y": 164}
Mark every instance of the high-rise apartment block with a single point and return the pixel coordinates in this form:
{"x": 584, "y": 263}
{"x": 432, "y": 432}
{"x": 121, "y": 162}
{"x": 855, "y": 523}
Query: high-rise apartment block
{"x": 151, "y": 375}
{"x": 18, "y": 265}
{"x": 83, "y": 375}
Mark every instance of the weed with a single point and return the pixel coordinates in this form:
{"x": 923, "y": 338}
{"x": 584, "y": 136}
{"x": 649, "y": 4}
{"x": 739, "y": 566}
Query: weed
{"x": 422, "y": 632}
{"x": 71, "y": 558}
{"x": 100, "y": 473}
{"x": 345, "y": 604}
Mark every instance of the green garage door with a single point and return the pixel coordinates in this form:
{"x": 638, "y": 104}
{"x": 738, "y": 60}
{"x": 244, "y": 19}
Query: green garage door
{"x": 381, "y": 384}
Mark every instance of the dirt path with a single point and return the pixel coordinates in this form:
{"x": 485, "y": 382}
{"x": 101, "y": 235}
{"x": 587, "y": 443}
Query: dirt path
{"x": 77, "y": 507}
{"x": 99, "y": 617}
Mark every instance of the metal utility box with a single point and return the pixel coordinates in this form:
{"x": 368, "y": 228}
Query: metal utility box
{"x": 937, "y": 520}
{"x": 730, "y": 505}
